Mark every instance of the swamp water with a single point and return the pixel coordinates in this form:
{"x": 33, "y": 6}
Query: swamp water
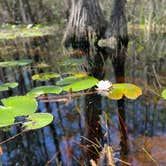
{"x": 63, "y": 141}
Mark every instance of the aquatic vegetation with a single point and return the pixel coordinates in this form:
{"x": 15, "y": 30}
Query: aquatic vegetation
{"x": 117, "y": 91}
{"x": 81, "y": 84}
{"x": 163, "y": 94}
{"x": 72, "y": 78}
{"x": 37, "y": 121}
{"x": 130, "y": 91}
{"x": 23, "y": 106}
{"x": 6, "y": 118}
{"x": 7, "y": 86}
{"x": 45, "y": 76}
{"x": 20, "y": 105}
{"x": 14, "y": 31}
{"x": 27, "y": 105}
{"x": 50, "y": 89}
{"x": 103, "y": 87}
{"x": 22, "y": 62}
{"x": 66, "y": 81}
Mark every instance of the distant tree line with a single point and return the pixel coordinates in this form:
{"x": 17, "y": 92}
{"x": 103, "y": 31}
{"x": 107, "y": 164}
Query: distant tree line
{"x": 28, "y": 11}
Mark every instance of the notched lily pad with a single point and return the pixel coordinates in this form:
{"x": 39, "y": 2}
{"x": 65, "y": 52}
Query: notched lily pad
{"x": 130, "y": 91}
{"x": 49, "y": 89}
{"x": 38, "y": 120}
{"x": 20, "y": 105}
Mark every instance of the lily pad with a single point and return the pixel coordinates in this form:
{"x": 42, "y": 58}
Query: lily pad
{"x": 130, "y": 91}
{"x": 22, "y": 62}
{"x": 72, "y": 62}
{"x": 6, "y": 86}
{"x": 49, "y": 89}
{"x": 45, "y": 76}
{"x": 81, "y": 75}
{"x": 66, "y": 81}
{"x": 42, "y": 65}
{"x": 163, "y": 94}
{"x": 71, "y": 79}
{"x": 20, "y": 105}
{"x": 38, "y": 120}
{"x": 6, "y": 118}
{"x": 81, "y": 84}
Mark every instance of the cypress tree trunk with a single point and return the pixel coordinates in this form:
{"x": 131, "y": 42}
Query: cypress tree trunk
{"x": 119, "y": 31}
{"x": 67, "y": 8}
{"x": 119, "y": 23}
{"x": 86, "y": 22}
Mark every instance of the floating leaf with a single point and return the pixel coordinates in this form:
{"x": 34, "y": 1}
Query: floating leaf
{"x": 115, "y": 93}
{"x": 6, "y": 86}
{"x": 44, "y": 90}
{"x": 38, "y": 120}
{"x": 6, "y": 118}
{"x": 45, "y": 76}
{"x": 82, "y": 84}
{"x": 81, "y": 75}
{"x": 20, "y": 105}
{"x": 131, "y": 91}
{"x": 66, "y": 81}
{"x": 72, "y": 62}
{"x": 71, "y": 79}
{"x": 42, "y": 65}
{"x": 22, "y": 62}
{"x": 163, "y": 94}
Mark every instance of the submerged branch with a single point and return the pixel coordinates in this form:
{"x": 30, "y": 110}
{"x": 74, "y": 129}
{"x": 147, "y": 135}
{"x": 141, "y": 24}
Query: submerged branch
{"x": 64, "y": 98}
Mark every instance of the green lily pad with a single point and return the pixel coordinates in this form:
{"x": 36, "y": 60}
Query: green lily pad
{"x": 72, "y": 62}
{"x": 38, "y": 120}
{"x": 49, "y": 89}
{"x": 130, "y": 91}
{"x": 81, "y": 84}
{"x": 6, "y": 86}
{"x": 42, "y": 65}
{"x": 66, "y": 81}
{"x": 45, "y": 76}
{"x": 20, "y": 105}
{"x": 6, "y": 118}
{"x": 81, "y": 75}
{"x": 71, "y": 79}
{"x": 22, "y": 62}
{"x": 163, "y": 94}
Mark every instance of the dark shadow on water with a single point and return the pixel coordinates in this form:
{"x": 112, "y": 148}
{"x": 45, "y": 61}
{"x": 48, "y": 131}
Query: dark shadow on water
{"x": 118, "y": 61}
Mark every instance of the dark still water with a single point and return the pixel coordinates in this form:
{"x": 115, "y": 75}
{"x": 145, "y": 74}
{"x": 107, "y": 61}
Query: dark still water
{"x": 70, "y": 139}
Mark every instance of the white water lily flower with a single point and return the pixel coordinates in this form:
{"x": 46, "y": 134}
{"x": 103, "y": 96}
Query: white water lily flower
{"x": 103, "y": 87}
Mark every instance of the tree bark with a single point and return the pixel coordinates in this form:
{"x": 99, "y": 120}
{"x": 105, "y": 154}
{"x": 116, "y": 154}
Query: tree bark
{"x": 119, "y": 31}
{"x": 119, "y": 23}
{"x": 86, "y": 23}
{"x": 67, "y": 8}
